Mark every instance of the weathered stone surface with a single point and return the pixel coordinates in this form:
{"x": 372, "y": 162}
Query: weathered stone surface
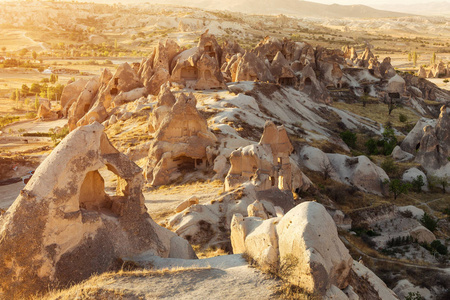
{"x": 266, "y": 164}
{"x": 180, "y": 143}
{"x": 45, "y": 111}
{"x": 422, "y": 234}
{"x": 307, "y": 234}
{"x": 64, "y": 227}
{"x": 186, "y": 203}
{"x": 250, "y": 67}
{"x": 414, "y": 173}
{"x": 71, "y": 93}
{"x": 411, "y": 143}
{"x": 399, "y": 155}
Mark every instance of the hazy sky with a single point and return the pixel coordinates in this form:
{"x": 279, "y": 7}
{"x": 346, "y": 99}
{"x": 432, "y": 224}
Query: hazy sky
{"x": 374, "y": 2}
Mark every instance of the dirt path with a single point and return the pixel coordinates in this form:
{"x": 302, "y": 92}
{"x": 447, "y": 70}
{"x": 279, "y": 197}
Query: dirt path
{"x": 33, "y": 126}
{"x": 40, "y": 44}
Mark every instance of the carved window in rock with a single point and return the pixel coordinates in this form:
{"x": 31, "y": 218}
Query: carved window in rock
{"x": 281, "y": 182}
{"x": 96, "y": 196}
{"x": 185, "y": 163}
{"x": 86, "y": 107}
{"x": 308, "y": 81}
{"x": 272, "y": 180}
{"x": 209, "y": 49}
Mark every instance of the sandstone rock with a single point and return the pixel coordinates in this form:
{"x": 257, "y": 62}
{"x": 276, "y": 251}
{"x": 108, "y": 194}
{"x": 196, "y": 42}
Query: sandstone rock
{"x": 71, "y": 93}
{"x": 45, "y": 111}
{"x": 422, "y": 234}
{"x": 186, "y": 203}
{"x": 365, "y": 57}
{"x": 412, "y": 174}
{"x": 411, "y": 143}
{"x": 209, "y": 75}
{"x": 367, "y": 285}
{"x": 396, "y": 84}
{"x": 256, "y": 238}
{"x": 282, "y": 71}
{"x": 404, "y": 287}
{"x": 416, "y": 212}
{"x": 386, "y": 69}
{"x": 250, "y": 68}
{"x": 256, "y": 209}
{"x": 64, "y": 227}
{"x": 308, "y": 235}
{"x": 180, "y": 143}
{"x": 402, "y": 156}
{"x": 266, "y": 164}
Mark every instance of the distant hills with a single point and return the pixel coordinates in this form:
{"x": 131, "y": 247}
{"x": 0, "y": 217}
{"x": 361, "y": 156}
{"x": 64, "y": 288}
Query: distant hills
{"x": 287, "y": 7}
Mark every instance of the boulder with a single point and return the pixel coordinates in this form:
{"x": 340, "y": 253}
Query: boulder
{"x": 402, "y": 156}
{"x": 63, "y": 227}
{"x": 45, "y": 111}
{"x": 412, "y": 174}
{"x": 404, "y": 287}
{"x": 256, "y": 209}
{"x": 186, "y": 203}
{"x": 308, "y": 236}
{"x": 411, "y": 143}
{"x": 422, "y": 234}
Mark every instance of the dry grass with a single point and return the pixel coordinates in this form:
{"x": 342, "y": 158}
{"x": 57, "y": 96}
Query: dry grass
{"x": 91, "y": 288}
{"x": 379, "y": 112}
{"x": 193, "y": 187}
{"x": 209, "y": 252}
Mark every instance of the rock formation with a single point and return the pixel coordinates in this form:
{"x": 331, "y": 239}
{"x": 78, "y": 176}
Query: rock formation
{"x": 199, "y": 67}
{"x": 71, "y": 93}
{"x": 306, "y": 240}
{"x": 250, "y": 67}
{"x": 180, "y": 143}
{"x": 64, "y": 226}
{"x": 266, "y": 164}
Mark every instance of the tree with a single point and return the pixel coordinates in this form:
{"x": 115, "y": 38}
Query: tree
{"x": 36, "y": 102}
{"x": 53, "y": 78}
{"x": 414, "y": 296}
{"x": 409, "y": 56}
{"x": 35, "y": 88}
{"x": 364, "y": 98}
{"x": 349, "y": 138}
{"x": 414, "y": 58}
{"x": 23, "y": 52}
{"x": 433, "y": 59}
{"x": 34, "y": 55}
{"x": 17, "y": 98}
{"x": 397, "y": 187}
{"x": 25, "y": 90}
{"x": 417, "y": 184}
{"x": 443, "y": 182}
{"x": 429, "y": 222}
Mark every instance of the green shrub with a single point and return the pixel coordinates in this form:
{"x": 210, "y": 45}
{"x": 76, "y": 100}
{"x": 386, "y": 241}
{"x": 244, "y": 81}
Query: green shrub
{"x": 429, "y": 222}
{"x": 390, "y": 167}
{"x": 372, "y": 148}
{"x": 417, "y": 184}
{"x": 438, "y": 247}
{"x": 349, "y": 138}
{"x": 402, "y": 118}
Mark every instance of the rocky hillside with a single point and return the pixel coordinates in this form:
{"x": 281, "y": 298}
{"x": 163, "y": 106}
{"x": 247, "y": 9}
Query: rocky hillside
{"x": 315, "y": 150}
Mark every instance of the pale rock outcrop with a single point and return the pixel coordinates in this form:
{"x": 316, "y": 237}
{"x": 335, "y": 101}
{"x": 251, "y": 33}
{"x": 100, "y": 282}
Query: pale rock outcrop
{"x": 180, "y": 143}
{"x": 186, "y": 203}
{"x": 282, "y": 71}
{"x": 155, "y": 70}
{"x": 268, "y": 48}
{"x": 209, "y": 74}
{"x": 360, "y": 172}
{"x": 416, "y": 212}
{"x": 412, "y": 174}
{"x": 310, "y": 85}
{"x": 257, "y": 238}
{"x": 306, "y": 238}
{"x": 404, "y": 287}
{"x": 46, "y": 112}
{"x": 250, "y": 67}
{"x": 266, "y": 164}
{"x": 422, "y": 234}
{"x": 70, "y": 94}
{"x": 402, "y": 156}
{"x": 396, "y": 84}
{"x": 199, "y": 67}
{"x": 165, "y": 102}
{"x": 63, "y": 227}
{"x": 411, "y": 143}
{"x": 368, "y": 285}
{"x": 256, "y": 209}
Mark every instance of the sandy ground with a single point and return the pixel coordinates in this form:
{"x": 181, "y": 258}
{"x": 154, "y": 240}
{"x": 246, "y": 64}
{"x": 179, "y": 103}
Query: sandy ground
{"x": 222, "y": 277}
{"x": 9, "y": 193}
{"x": 36, "y": 126}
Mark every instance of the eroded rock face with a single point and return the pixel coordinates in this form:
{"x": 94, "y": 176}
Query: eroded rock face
{"x": 199, "y": 67}
{"x": 71, "y": 93}
{"x": 306, "y": 237}
{"x": 250, "y": 67}
{"x": 180, "y": 143}
{"x": 434, "y": 146}
{"x": 64, "y": 227}
{"x": 266, "y": 164}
